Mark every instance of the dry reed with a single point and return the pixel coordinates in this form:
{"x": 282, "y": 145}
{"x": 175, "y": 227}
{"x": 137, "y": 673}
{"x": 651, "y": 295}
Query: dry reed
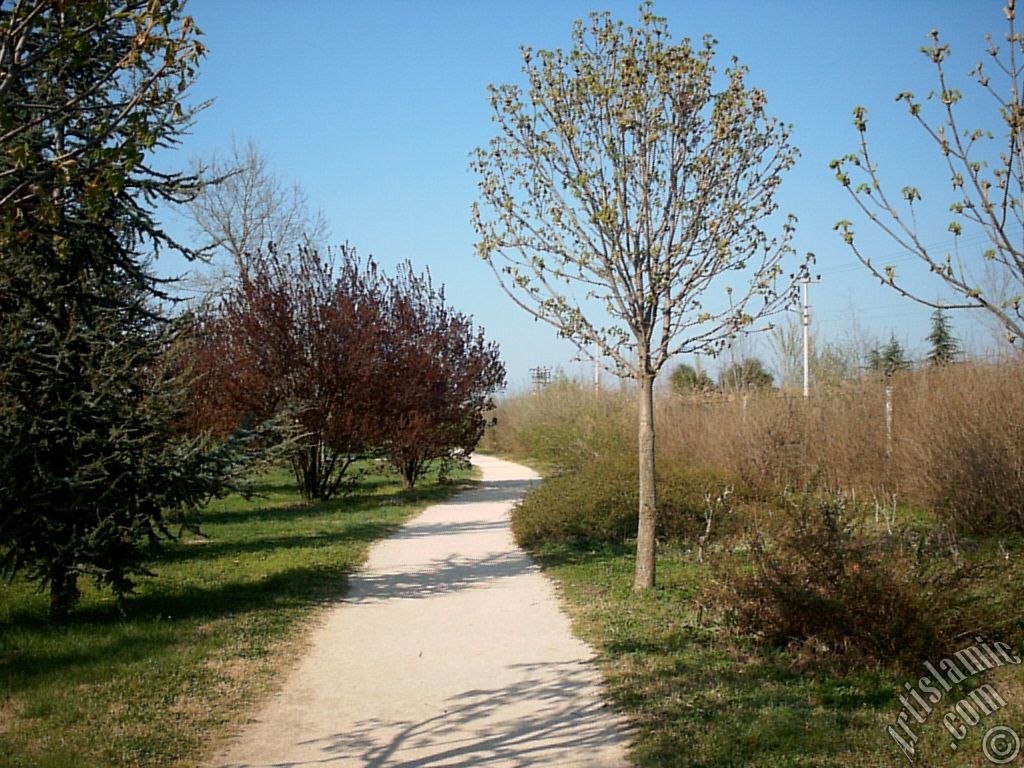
{"x": 956, "y": 444}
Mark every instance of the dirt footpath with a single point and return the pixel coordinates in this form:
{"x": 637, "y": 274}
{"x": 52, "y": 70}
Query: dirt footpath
{"x": 450, "y": 650}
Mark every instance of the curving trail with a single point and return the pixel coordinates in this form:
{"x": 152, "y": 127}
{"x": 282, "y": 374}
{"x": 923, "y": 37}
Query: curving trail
{"x": 449, "y": 650}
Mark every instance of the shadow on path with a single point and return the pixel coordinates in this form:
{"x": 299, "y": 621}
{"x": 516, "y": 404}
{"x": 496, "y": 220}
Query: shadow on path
{"x": 474, "y": 728}
{"x": 440, "y": 577}
{"x": 492, "y": 491}
{"x": 419, "y": 530}
{"x": 524, "y": 700}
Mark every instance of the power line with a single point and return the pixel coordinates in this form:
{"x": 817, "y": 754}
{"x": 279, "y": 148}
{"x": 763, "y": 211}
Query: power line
{"x": 900, "y": 256}
{"x": 887, "y": 309}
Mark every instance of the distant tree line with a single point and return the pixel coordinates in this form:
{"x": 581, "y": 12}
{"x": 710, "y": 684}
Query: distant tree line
{"x": 829, "y": 365}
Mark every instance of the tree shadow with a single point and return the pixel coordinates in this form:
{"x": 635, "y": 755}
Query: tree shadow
{"x": 213, "y": 549}
{"x": 705, "y": 699}
{"x": 572, "y": 553}
{"x": 537, "y": 721}
{"x": 439, "y": 577}
{"x": 362, "y": 499}
{"x": 137, "y": 631}
{"x": 437, "y": 492}
{"x": 742, "y": 711}
{"x": 419, "y": 530}
{"x": 493, "y": 491}
{"x": 291, "y": 588}
{"x": 185, "y": 609}
{"x": 20, "y": 669}
{"x": 295, "y": 510}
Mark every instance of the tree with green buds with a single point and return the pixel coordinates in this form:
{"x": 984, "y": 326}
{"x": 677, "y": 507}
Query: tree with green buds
{"x": 624, "y": 187}
{"x": 987, "y": 178}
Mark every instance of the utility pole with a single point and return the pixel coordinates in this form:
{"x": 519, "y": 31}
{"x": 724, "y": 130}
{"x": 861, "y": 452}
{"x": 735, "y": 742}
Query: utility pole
{"x": 541, "y": 375}
{"x": 806, "y": 314}
{"x": 732, "y": 351}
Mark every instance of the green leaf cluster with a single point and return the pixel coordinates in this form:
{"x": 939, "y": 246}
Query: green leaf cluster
{"x": 685, "y": 380}
{"x": 749, "y": 373}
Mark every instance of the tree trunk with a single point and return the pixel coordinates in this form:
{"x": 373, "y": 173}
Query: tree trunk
{"x": 63, "y": 595}
{"x": 645, "y": 544}
{"x": 409, "y": 472}
{"x": 307, "y": 467}
{"x": 888, "y": 419}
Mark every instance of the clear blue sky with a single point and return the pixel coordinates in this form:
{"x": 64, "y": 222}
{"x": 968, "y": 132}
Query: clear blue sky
{"x": 374, "y": 107}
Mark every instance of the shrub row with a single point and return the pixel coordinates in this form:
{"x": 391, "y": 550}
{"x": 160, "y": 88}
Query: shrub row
{"x": 597, "y": 502}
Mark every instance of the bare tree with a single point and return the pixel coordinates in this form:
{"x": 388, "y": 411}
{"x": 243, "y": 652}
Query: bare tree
{"x": 623, "y": 174}
{"x": 788, "y": 352}
{"x": 987, "y": 194}
{"x": 243, "y": 206}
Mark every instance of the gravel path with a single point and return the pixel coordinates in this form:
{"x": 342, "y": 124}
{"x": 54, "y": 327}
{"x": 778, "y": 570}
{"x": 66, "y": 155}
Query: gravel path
{"x": 450, "y": 650}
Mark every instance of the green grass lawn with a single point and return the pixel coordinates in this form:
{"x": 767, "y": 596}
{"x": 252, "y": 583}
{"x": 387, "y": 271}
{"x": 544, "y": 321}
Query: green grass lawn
{"x": 702, "y": 697}
{"x": 152, "y": 681}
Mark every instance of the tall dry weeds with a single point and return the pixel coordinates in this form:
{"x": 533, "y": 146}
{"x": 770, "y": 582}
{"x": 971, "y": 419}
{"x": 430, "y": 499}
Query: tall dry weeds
{"x": 564, "y": 425}
{"x": 956, "y": 445}
{"x": 961, "y": 444}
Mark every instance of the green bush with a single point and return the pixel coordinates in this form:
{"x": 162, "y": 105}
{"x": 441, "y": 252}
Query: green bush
{"x": 598, "y": 503}
{"x": 686, "y": 380}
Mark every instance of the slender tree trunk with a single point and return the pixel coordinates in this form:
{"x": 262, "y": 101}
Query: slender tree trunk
{"x": 645, "y": 544}
{"x": 888, "y": 419}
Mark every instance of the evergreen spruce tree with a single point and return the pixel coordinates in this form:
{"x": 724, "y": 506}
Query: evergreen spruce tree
{"x": 889, "y": 359}
{"x": 92, "y": 468}
{"x": 945, "y": 347}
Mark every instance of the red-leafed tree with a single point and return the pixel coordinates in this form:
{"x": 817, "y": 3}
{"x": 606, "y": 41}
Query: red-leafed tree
{"x": 441, "y": 375}
{"x": 362, "y": 364}
{"x": 296, "y": 337}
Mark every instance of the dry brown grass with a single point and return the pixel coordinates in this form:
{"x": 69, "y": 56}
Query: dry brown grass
{"x": 957, "y": 444}
{"x": 848, "y": 597}
{"x": 564, "y": 425}
{"x": 11, "y": 710}
{"x": 962, "y": 442}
